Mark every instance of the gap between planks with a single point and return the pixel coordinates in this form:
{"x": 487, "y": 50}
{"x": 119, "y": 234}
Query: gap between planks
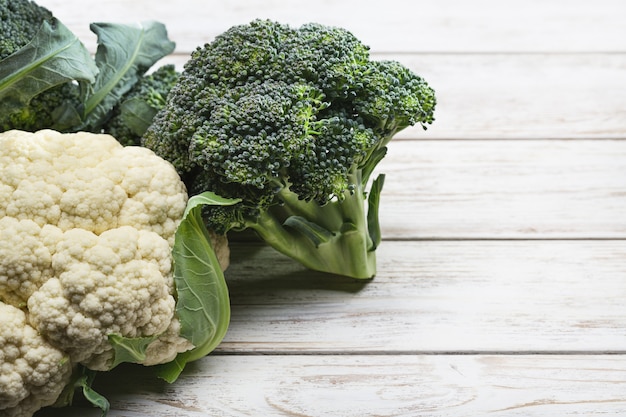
{"x": 520, "y": 353}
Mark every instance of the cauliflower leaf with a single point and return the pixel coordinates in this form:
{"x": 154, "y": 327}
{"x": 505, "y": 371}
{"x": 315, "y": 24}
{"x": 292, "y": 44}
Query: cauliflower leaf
{"x": 203, "y": 304}
{"x": 202, "y": 299}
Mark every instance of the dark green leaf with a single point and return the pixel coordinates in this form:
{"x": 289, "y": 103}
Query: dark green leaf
{"x": 125, "y": 52}
{"x": 53, "y": 57}
{"x": 137, "y": 115}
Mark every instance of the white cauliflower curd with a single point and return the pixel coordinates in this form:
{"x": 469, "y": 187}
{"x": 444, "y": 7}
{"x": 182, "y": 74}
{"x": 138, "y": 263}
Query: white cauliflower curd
{"x": 86, "y": 233}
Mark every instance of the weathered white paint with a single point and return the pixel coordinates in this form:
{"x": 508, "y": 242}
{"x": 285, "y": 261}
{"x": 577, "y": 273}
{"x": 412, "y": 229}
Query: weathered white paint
{"x": 504, "y": 189}
{"x": 375, "y": 385}
{"x": 443, "y": 296}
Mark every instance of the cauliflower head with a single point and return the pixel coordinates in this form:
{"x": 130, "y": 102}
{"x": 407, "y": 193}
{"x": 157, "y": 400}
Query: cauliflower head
{"x": 86, "y": 235}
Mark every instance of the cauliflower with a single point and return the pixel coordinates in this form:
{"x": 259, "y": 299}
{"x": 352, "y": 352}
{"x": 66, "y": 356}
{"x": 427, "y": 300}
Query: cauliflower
{"x": 87, "y": 229}
{"x": 32, "y": 372}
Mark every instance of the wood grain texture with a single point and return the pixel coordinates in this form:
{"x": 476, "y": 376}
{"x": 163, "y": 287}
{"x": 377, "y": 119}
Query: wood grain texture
{"x": 374, "y": 385}
{"x": 523, "y": 96}
{"x": 504, "y": 189}
{"x": 527, "y": 296}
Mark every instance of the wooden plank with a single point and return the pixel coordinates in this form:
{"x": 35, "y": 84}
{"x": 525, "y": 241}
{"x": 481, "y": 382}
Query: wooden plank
{"x": 433, "y": 386}
{"x": 543, "y": 296}
{"x": 553, "y": 96}
{"x": 398, "y": 25}
{"x": 504, "y": 189}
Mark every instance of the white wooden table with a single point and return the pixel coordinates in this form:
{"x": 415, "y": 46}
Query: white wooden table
{"x": 502, "y": 279}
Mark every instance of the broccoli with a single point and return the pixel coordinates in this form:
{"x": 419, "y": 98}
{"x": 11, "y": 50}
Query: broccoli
{"x": 20, "y": 20}
{"x": 32, "y": 98}
{"x": 291, "y": 121}
{"x": 48, "y": 79}
{"x": 134, "y": 112}
{"x": 45, "y": 110}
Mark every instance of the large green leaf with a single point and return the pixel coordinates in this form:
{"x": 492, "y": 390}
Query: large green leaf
{"x": 125, "y": 53}
{"x": 202, "y": 301}
{"x": 203, "y": 305}
{"x": 53, "y": 57}
{"x": 137, "y": 115}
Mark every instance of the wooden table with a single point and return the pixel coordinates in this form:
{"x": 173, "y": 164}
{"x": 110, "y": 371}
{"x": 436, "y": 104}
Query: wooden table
{"x": 502, "y": 276}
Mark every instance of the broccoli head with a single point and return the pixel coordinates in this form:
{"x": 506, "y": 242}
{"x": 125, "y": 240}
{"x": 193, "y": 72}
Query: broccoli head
{"x": 20, "y": 20}
{"x": 293, "y": 122}
{"x": 134, "y": 112}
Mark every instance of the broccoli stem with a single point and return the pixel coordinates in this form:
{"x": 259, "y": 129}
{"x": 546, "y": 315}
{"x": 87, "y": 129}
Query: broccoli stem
{"x": 342, "y": 244}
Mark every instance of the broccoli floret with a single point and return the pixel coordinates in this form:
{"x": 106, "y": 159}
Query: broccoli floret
{"x": 134, "y": 112}
{"x": 293, "y": 122}
{"x": 20, "y": 20}
{"x": 45, "y": 111}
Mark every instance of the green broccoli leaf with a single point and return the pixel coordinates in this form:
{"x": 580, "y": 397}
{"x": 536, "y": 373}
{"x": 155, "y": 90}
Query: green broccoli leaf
{"x": 203, "y": 305}
{"x": 373, "y": 202}
{"x": 312, "y": 231}
{"x": 53, "y": 57}
{"x": 125, "y": 52}
{"x": 137, "y": 115}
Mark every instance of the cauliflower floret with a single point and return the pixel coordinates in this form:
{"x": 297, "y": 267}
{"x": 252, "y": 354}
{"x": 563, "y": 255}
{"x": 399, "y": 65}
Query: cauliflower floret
{"x": 88, "y": 181}
{"x": 117, "y": 283}
{"x": 26, "y": 261}
{"x": 144, "y": 182}
{"x": 33, "y": 373}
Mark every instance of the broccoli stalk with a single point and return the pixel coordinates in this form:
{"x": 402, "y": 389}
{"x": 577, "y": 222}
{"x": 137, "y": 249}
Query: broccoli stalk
{"x": 292, "y": 122}
{"x": 334, "y": 237}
